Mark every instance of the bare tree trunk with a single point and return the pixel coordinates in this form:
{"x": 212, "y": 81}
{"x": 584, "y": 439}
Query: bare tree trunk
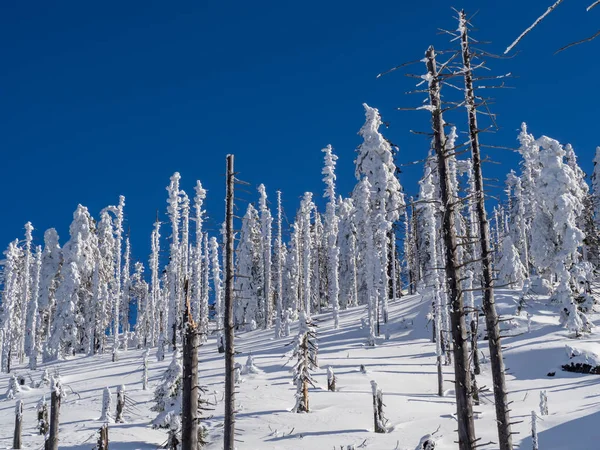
{"x": 18, "y": 424}
{"x": 120, "y": 404}
{"x": 103, "y": 439}
{"x": 189, "y": 410}
{"x": 466, "y": 427}
{"x": 489, "y": 306}
{"x": 229, "y": 426}
{"x": 52, "y": 442}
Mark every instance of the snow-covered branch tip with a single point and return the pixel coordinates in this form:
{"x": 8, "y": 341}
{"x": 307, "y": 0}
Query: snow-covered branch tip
{"x": 533, "y": 25}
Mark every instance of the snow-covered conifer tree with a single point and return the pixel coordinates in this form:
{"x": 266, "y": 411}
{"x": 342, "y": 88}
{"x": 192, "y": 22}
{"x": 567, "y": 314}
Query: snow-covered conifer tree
{"x": 305, "y": 353}
{"x": 49, "y": 279}
{"x": 266, "y": 222}
{"x": 332, "y": 230}
{"x": 174, "y": 263}
{"x": 556, "y": 237}
{"x": 198, "y": 307}
{"x": 218, "y": 289}
{"x": 34, "y": 346}
{"x": 305, "y": 241}
{"x": 249, "y": 270}
{"x": 26, "y": 293}
{"x": 167, "y": 395}
{"x": 511, "y": 270}
{"x": 74, "y": 294}
{"x": 11, "y": 323}
{"x": 155, "y": 292}
{"x": 375, "y": 161}
{"x": 279, "y": 262}
{"x": 205, "y": 290}
{"x": 361, "y": 194}
{"x": 348, "y": 289}
{"x": 125, "y": 293}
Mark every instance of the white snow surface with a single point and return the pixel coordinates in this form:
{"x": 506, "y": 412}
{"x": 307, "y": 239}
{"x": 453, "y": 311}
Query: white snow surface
{"x": 403, "y": 367}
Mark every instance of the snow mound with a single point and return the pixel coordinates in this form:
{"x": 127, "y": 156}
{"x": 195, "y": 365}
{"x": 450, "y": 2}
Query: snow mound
{"x": 581, "y": 361}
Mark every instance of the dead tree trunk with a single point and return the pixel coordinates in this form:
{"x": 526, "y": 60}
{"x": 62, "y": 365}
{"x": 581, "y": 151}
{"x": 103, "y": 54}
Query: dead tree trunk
{"x": 378, "y": 418}
{"x": 103, "y": 438}
{"x": 489, "y": 306}
{"x": 120, "y": 404}
{"x": 189, "y": 409}
{"x": 229, "y": 426}
{"x": 52, "y": 442}
{"x": 466, "y": 427}
{"x": 18, "y": 424}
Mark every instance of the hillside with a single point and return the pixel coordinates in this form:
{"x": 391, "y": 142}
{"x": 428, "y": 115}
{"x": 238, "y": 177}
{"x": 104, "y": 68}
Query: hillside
{"x": 403, "y": 367}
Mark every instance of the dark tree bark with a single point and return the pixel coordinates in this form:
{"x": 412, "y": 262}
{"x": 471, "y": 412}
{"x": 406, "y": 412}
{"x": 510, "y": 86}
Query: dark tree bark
{"x": 120, "y": 404}
{"x": 18, "y": 424}
{"x": 229, "y": 426}
{"x": 103, "y": 438}
{"x": 489, "y": 306}
{"x": 189, "y": 409}
{"x": 52, "y": 442}
{"x": 466, "y": 427}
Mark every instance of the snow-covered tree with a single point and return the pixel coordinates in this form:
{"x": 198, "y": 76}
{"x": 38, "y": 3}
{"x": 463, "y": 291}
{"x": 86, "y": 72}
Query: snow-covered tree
{"x": 347, "y": 254}
{"x": 74, "y": 293}
{"x": 49, "y": 279}
{"x": 556, "y": 237}
{"x": 375, "y": 161}
{"x": 157, "y": 313}
{"x": 25, "y": 340}
{"x": 305, "y": 243}
{"x": 305, "y": 354}
{"x": 249, "y": 273}
{"x": 199, "y": 308}
{"x": 174, "y": 267}
{"x": 332, "y": 230}
{"x": 11, "y": 321}
{"x": 279, "y": 263}
{"x": 266, "y": 222}
{"x": 218, "y": 289}
{"x": 167, "y": 395}
{"x": 362, "y": 193}
{"x": 34, "y": 345}
{"x": 138, "y": 294}
{"x": 511, "y": 271}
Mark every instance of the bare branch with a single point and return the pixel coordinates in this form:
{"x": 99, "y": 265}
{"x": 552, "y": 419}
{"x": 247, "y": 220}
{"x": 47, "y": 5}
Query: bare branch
{"x": 535, "y": 24}
{"x": 588, "y": 39}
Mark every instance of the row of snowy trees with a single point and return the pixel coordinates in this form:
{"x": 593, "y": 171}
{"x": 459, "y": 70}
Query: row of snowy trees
{"x": 78, "y": 299}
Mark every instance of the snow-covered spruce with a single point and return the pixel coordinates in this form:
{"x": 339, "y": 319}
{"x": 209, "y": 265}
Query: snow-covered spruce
{"x": 305, "y": 356}
{"x": 331, "y": 233}
{"x": 167, "y": 395}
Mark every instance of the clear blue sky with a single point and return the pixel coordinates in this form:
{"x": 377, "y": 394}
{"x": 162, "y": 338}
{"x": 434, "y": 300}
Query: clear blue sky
{"x": 109, "y": 98}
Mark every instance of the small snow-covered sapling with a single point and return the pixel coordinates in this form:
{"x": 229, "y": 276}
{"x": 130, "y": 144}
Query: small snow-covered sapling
{"x": 250, "y": 368}
{"x": 13, "y": 387}
{"x": 237, "y": 373}
{"x": 331, "y": 379}
{"x": 42, "y": 416}
{"x": 106, "y": 406}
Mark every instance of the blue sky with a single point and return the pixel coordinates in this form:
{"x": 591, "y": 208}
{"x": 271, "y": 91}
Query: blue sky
{"x": 102, "y": 99}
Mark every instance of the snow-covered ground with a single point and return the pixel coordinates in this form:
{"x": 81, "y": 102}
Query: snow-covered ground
{"x": 404, "y": 368}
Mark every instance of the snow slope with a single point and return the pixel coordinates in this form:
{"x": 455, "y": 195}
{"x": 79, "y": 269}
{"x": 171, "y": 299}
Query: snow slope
{"x": 404, "y": 368}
